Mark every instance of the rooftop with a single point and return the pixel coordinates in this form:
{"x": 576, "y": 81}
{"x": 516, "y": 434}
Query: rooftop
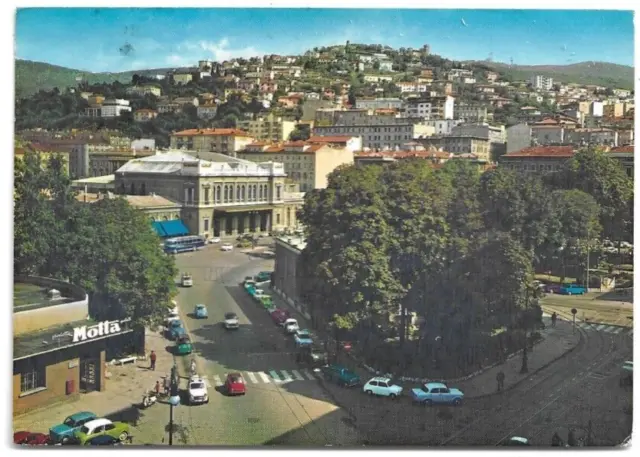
{"x": 137, "y": 201}
{"x": 106, "y": 179}
{"x": 296, "y": 242}
{"x": 543, "y": 152}
{"x": 212, "y": 132}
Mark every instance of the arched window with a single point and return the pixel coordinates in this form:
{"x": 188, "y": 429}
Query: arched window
{"x": 266, "y": 192}
{"x": 238, "y": 193}
{"x": 218, "y": 194}
{"x": 231, "y": 193}
{"x": 166, "y": 218}
{"x": 250, "y": 192}
{"x": 244, "y": 193}
{"x": 226, "y": 193}
{"x": 133, "y": 189}
{"x": 176, "y": 216}
{"x": 260, "y": 192}
{"x": 255, "y": 191}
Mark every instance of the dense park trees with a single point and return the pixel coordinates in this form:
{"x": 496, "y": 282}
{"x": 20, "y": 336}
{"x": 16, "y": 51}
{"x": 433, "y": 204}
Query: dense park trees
{"x": 455, "y": 247}
{"x": 107, "y": 247}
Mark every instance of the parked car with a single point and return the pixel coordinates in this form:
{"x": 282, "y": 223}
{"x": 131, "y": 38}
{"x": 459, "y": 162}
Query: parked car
{"x": 517, "y": 441}
{"x": 31, "y": 439}
{"x": 200, "y": 311}
{"x": 573, "y": 289}
{"x": 235, "y": 385}
{"x": 226, "y": 247}
{"x": 314, "y": 356}
{"x": 383, "y": 387}
{"x": 248, "y": 280}
{"x": 187, "y": 280}
{"x": 103, "y": 440}
{"x": 183, "y": 345}
{"x": 198, "y": 392}
{"x": 436, "y": 393}
{"x": 340, "y": 375}
{"x": 266, "y": 302}
{"x": 263, "y": 276}
{"x": 279, "y": 316}
{"x": 231, "y": 321}
{"x": 291, "y": 326}
{"x": 214, "y": 240}
{"x": 63, "y": 433}
{"x": 303, "y": 338}
{"x": 552, "y": 288}
{"x": 175, "y": 329}
{"x": 256, "y": 293}
{"x": 626, "y": 373}
{"x": 98, "y": 427}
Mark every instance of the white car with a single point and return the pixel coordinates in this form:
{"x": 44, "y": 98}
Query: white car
{"x": 198, "y": 390}
{"x": 231, "y": 321}
{"x": 187, "y": 280}
{"x": 382, "y": 386}
{"x": 174, "y": 315}
{"x": 291, "y": 326}
{"x": 227, "y": 247}
{"x": 214, "y": 240}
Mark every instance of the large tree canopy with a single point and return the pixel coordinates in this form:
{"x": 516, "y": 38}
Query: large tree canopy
{"x": 107, "y": 247}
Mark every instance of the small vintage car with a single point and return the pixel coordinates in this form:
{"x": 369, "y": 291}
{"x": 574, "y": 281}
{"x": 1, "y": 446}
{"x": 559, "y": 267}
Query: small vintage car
{"x": 31, "y": 439}
{"x": 175, "y": 329}
{"x": 291, "y": 326}
{"x": 200, "y": 312}
{"x": 64, "y": 433}
{"x": 516, "y": 441}
{"x": 267, "y": 303}
{"x": 187, "y": 280}
{"x": 231, "y": 321}
{"x": 340, "y": 375}
{"x": 433, "y": 393}
{"x": 235, "y": 385}
{"x": 263, "y": 276}
{"x": 573, "y": 289}
{"x": 383, "y": 387}
{"x": 314, "y": 356}
{"x": 99, "y": 427}
{"x": 303, "y": 338}
{"x": 279, "y": 316}
{"x": 198, "y": 392}
{"x": 183, "y": 345}
{"x": 626, "y": 373}
{"x": 103, "y": 440}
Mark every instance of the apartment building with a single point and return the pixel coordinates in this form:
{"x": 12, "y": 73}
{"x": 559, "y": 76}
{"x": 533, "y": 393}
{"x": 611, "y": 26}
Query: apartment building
{"x": 108, "y": 108}
{"x": 442, "y": 126}
{"x": 378, "y": 103}
{"x": 144, "y": 115}
{"x": 352, "y": 143}
{"x": 518, "y": 137}
{"x": 495, "y": 135}
{"x": 269, "y": 128}
{"x": 471, "y": 112}
{"x": 596, "y": 136}
{"x": 441, "y": 107}
{"x": 468, "y": 144}
{"x": 144, "y": 90}
{"x": 223, "y": 141}
{"x": 624, "y": 155}
{"x": 207, "y": 110}
{"x": 307, "y": 164}
{"x": 541, "y": 82}
{"x": 537, "y": 159}
{"x": 378, "y": 137}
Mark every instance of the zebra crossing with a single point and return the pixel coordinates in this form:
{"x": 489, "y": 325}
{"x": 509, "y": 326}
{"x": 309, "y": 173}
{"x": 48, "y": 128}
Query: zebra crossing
{"x": 277, "y": 377}
{"x": 605, "y": 328}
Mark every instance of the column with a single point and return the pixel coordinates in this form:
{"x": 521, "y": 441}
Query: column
{"x": 234, "y": 224}
{"x": 258, "y": 221}
{"x": 267, "y": 215}
{"x": 247, "y": 228}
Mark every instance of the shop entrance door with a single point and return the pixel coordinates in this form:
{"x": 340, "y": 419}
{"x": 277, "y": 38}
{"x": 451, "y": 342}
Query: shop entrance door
{"x": 89, "y": 374}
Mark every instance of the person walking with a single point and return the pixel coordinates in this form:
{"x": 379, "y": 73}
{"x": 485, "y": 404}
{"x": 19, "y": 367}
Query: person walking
{"x": 571, "y": 439}
{"x": 500, "y": 378}
{"x": 554, "y": 318}
{"x": 153, "y": 360}
{"x": 157, "y": 388}
{"x": 556, "y": 441}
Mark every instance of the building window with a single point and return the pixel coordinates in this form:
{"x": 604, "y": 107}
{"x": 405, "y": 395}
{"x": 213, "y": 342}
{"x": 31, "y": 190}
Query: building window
{"x": 133, "y": 189}
{"x": 34, "y": 378}
{"x": 255, "y": 191}
{"x": 218, "y": 194}
{"x": 226, "y": 194}
{"x": 143, "y": 189}
{"x": 244, "y": 194}
{"x": 238, "y": 193}
{"x": 288, "y": 217}
{"x": 231, "y": 193}
{"x": 206, "y": 225}
{"x": 278, "y": 192}
{"x": 206, "y": 195}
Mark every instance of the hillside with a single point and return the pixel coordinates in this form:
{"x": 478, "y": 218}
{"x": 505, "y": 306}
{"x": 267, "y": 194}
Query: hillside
{"x": 34, "y": 76}
{"x": 599, "y": 73}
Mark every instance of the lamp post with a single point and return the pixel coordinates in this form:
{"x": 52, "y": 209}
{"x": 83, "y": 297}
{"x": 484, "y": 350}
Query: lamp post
{"x": 174, "y": 400}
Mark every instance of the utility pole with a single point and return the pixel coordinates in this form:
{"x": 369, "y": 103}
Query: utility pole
{"x": 588, "y": 252}
{"x": 174, "y": 400}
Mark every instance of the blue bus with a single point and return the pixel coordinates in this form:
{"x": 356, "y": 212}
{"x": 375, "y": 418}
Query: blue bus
{"x": 183, "y": 244}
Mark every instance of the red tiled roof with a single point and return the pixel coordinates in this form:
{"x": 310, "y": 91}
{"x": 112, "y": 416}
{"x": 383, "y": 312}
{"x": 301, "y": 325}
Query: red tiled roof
{"x": 544, "y": 151}
{"x": 212, "y": 132}
{"x": 547, "y": 121}
{"x": 404, "y": 154}
{"x": 330, "y": 139}
{"x": 628, "y": 148}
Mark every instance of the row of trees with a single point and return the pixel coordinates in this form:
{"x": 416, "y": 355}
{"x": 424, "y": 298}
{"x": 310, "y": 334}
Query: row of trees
{"x": 107, "y": 247}
{"x": 451, "y": 245}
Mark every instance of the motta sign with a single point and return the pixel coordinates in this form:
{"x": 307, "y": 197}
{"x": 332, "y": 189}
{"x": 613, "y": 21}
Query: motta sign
{"x": 89, "y": 332}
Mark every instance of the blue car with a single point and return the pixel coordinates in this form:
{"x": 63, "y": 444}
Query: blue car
{"x": 436, "y": 393}
{"x": 175, "y": 329}
{"x": 572, "y": 289}
{"x": 303, "y": 338}
{"x": 201, "y": 312}
{"x": 65, "y": 432}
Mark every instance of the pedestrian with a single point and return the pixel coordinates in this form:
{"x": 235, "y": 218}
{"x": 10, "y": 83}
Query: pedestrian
{"x": 153, "y": 360}
{"x": 571, "y": 439}
{"x": 166, "y": 385}
{"x": 556, "y": 441}
{"x": 500, "y": 378}
{"x": 554, "y": 318}
{"x": 157, "y": 388}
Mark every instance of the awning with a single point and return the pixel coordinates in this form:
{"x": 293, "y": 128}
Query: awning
{"x": 167, "y": 229}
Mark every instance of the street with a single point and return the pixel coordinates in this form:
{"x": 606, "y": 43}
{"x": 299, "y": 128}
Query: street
{"x": 288, "y": 405}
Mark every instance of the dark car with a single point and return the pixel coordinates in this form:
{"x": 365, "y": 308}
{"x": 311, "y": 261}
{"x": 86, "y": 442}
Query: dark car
{"x": 313, "y": 355}
{"x": 552, "y": 288}
{"x": 104, "y": 440}
{"x": 31, "y": 439}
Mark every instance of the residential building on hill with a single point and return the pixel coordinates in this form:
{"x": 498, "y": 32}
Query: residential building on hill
{"x": 269, "y": 128}
{"x": 624, "y": 154}
{"x": 518, "y": 137}
{"x": 378, "y": 103}
{"x": 352, "y": 143}
{"x": 108, "y": 108}
{"x": 224, "y": 141}
{"x": 537, "y": 159}
{"x": 144, "y": 115}
{"x": 306, "y": 163}
{"x": 224, "y": 196}
{"x": 442, "y": 126}
{"x": 207, "y": 110}
{"x": 144, "y": 90}
{"x": 598, "y": 136}
{"x": 479, "y": 146}
{"x": 471, "y": 112}
{"x": 541, "y": 82}
{"x": 430, "y": 108}
{"x": 379, "y": 136}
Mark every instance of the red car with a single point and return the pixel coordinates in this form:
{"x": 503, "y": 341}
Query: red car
{"x": 235, "y": 384}
{"x": 31, "y": 439}
{"x": 279, "y": 316}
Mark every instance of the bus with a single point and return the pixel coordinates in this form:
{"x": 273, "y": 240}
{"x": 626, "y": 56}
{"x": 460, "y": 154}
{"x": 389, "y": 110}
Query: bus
{"x": 183, "y": 244}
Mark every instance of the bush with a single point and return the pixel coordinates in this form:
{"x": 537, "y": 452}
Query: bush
{"x": 245, "y": 244}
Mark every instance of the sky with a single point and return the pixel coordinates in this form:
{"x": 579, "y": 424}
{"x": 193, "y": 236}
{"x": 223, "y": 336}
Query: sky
{"x": 123, "y": 39}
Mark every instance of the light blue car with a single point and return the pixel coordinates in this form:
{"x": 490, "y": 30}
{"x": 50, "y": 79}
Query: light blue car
{"x": 303, "y": 338}
{"x": 175, "y": 329}
{"x": 201, "y": 312}
{"x": 436, "y": 393}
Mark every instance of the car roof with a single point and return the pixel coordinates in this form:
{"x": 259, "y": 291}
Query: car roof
{"x": 196, "y": 379}
{"x": 97, "y": 423}
{"x": 519, "y": 439}
{"x": 82, "y": 415}
{"x": 380, "y": 378}
{"x": 200, "y": 305}
{"x": 435, "y": 385}
{"x": 235, "y": 374}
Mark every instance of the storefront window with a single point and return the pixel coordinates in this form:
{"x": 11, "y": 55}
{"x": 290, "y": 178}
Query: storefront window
{"x": 33, "y": 379}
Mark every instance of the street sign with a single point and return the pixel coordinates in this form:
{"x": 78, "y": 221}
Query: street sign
{"x": 574, "y": 311}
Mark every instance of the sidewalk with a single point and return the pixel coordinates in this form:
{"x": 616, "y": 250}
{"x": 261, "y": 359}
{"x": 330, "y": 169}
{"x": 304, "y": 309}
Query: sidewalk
{"x": 557, "y": 342}
{"x": 126, "y": 385}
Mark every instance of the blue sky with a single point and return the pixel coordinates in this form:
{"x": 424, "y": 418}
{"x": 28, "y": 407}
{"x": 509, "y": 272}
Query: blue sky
{"x": 92, "y": 39}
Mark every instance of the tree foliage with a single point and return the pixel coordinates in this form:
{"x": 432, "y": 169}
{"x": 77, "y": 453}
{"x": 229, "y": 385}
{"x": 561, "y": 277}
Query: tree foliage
{"x": 107, "y": 247}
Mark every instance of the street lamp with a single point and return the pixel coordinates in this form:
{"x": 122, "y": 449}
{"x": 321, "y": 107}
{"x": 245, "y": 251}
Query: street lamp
{"x": 174, "y": 400}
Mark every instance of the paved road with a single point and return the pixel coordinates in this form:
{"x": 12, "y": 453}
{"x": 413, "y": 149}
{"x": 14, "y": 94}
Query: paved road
{"x": 285, "y": 404}
{"x": 592, "y": 309}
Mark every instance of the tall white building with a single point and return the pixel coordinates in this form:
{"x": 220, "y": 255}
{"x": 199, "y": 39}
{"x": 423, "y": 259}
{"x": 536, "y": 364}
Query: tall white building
{"x": 541, "y": 82}
{"x": 430, "y": 107}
